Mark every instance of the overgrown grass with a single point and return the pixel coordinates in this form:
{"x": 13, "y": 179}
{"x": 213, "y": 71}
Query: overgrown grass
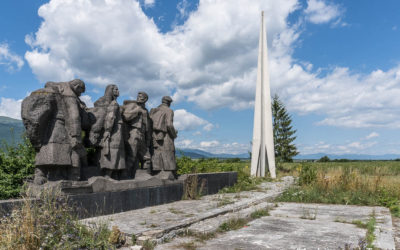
{"x": 232, "y": 224}
{"x": 49, "y": 224}
{"x": 260, "y": 213}
{"x": 356, "y": 183}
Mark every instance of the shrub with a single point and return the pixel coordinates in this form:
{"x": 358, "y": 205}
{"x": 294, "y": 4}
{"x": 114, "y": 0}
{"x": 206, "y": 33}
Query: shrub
{"x": 324, "y": 159}
{"x": 17, "y": 163}
{"x": 308, "y": 174}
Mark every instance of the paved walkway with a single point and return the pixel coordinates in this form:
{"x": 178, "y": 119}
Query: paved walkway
{"x": 194, "y": 224}
{"x": 306, "y": 226}
{"x": 164, "y": 221}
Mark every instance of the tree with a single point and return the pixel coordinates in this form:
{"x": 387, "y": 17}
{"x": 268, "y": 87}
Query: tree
{"x": 285, "y": 149}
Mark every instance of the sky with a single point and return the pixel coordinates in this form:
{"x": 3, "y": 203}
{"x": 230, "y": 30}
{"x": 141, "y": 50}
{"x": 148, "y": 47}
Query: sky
{"x": 334, "y": 64}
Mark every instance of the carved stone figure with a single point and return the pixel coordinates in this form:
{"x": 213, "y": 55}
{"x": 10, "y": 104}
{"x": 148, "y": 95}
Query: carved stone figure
{"x": 164, "y": 134}
{"x": 53, "y": 118}
{"x": 110, "y": 141}
{"x": 138, "y": 137}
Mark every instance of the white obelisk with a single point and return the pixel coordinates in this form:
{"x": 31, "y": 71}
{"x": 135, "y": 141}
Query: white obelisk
{"x": 262, "y": 154}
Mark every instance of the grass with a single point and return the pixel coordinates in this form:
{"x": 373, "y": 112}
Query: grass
{"x": 148, "y": 245}
{"x": 372, "y": 183}
{"x": 232, "y": 224}
{"x": 259, "y": 213}
{"x": 49, "y": 224}
{"x": 224, "y": 201}
{"x": 175, "y": 211}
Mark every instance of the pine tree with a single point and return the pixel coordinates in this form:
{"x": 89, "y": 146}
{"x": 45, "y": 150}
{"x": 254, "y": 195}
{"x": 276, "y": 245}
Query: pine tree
{"x": 285, "y": 149}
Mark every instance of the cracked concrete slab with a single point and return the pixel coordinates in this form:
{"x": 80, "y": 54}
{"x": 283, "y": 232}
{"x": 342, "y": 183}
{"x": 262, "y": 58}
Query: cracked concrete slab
{"x": 308, "y": 226}
{"x": 171, "y": 217}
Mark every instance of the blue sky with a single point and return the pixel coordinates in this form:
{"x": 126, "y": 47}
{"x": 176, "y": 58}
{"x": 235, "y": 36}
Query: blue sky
{"x": 335, "y": 64}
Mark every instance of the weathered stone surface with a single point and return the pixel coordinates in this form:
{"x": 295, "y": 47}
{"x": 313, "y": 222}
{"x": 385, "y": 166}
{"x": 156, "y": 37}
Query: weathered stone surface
{"x": 164, "y": 135}
{"x": 292, "y": 226}
{"x": 296, "y": 226}
{"x": 118, "y": 139}
{"x": 54, "y": 118}
{"x": 138, "y": 139}
{"x": 100, "y": 196}
{"x": 109, "y": 135}
{"x": 173, "y": 217}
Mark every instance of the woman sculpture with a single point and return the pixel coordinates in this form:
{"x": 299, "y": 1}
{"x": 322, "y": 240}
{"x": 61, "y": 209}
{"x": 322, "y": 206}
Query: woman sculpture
{"x": 111, "y": 153}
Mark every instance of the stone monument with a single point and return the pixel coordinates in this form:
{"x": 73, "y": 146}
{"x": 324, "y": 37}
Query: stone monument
{"x": 263, "y": 153}
{"x": 138, "y": 136}
{"x": 164, "y": 135}
{"x": 53, "y": 118}
{"x": 119, "y": 139}
{"x": 110, "y": 140}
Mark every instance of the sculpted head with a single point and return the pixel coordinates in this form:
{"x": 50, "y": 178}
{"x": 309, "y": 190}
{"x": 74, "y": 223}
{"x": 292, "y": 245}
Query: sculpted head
{"x": 142, "y": 97}
{"x": 111, "y": 92}
{"x": 166, "y": 100}
{"x": 78, "y": 86}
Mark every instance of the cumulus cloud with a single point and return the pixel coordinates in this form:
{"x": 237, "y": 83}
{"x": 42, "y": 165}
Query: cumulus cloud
{"x": 149, "y": 3}
{"x": 87, "y": 100}
{"x": 10, "y": 60}
{"x": 213, "y": 146}
{"x": 10, "y": 107}
{"x": 372, "y": 135}
{"x": 184, "y": 120}
{"x": 318, "y": 11}
{"x": 209, "y": 60}
{"x": 114, "y": 41}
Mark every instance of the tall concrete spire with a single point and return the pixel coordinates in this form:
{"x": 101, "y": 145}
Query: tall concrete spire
{"x": 263, "y": 154}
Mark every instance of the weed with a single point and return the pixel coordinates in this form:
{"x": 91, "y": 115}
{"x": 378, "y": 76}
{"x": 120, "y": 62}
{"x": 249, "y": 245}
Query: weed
{"x": 153, "y": 211}
{"x": 153, "y": 225}
{"x": 259, "y": 213}
{"x": 175, "y": 211}
{"x": 148, "y": 245}
{"x": 224, "y": 201}
{"x": 370, "y": 237}
{"x": 308, "y": 214}
{"x": 143, "y": 223}
{"x": 133, "y": 239}
{"x": 232, "y": 224}
{"x": 192, "y": 190}
{"x": 187, "y": 245}
{"x": 117, "y": 238}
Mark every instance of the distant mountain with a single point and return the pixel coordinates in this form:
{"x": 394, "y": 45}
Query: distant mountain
{"x": 197, "y": 154}
{"x": 11, "y": 129}
{"x": 348, "y": 156}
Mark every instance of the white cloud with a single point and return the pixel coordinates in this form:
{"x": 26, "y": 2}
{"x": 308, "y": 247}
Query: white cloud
{"x": 372, "y": 135}
{"x": 185, "y": 143}
{"x": 211, "y": 56}
{"x": 87, "y": 100}
{"x": 319, "y": 11}
{"x": 209, "y": 144}
{"x": 149, "y": 3}
{"x": 356, "y": 147}
{"x": 10, "y": 60}
{"x": 210, "y": 60}
{"x": 10, "y": 107}
{"x": 184, "y": 120}
{"x": 182, "y": 8}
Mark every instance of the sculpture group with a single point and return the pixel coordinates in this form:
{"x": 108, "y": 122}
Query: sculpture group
{"x": 120, "y": 140}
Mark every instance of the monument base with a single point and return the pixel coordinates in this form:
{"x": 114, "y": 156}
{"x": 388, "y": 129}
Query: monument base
{"x": 101, "y": 196}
